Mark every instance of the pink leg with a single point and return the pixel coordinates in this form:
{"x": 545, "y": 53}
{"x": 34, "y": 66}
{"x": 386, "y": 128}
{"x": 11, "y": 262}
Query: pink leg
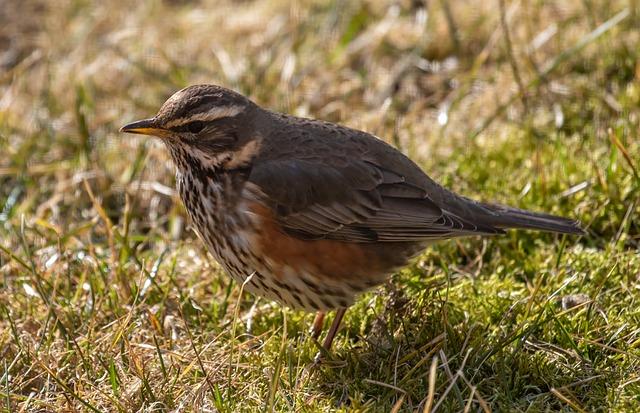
{"x": 334, "y": 329}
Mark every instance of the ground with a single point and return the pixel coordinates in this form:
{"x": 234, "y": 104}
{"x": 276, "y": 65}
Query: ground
{"x": 108, "y": 302}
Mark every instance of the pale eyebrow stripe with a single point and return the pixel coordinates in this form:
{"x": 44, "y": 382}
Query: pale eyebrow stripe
{"x": 213, "y": 114}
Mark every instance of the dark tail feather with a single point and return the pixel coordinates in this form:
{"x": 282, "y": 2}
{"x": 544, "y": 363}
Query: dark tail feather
{"x": 508, "y": 217}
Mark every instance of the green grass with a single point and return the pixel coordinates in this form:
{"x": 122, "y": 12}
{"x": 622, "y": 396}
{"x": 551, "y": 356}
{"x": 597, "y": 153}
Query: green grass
{"x": 108, "y": 302}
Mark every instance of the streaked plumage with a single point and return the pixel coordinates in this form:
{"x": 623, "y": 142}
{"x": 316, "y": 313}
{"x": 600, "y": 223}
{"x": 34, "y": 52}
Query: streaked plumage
{"x": 311, "y": 212}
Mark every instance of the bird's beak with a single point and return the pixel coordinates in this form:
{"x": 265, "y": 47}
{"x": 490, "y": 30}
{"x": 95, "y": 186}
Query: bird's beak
{"x": 145, "y": 127}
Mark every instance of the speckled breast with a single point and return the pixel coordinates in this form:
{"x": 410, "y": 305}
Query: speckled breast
{"x": 234, "y": 229}
{"x": 242, "y": 234}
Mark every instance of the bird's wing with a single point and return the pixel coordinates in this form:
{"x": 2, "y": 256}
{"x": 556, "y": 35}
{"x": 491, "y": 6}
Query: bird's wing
{"x": 354, "y": 201}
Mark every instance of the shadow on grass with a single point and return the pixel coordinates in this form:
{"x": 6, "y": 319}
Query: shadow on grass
{"x": 393, "y": 359}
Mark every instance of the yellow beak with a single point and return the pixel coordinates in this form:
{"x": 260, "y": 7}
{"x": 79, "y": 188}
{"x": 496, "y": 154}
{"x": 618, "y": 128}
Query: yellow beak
{"x": 145, "y": 127}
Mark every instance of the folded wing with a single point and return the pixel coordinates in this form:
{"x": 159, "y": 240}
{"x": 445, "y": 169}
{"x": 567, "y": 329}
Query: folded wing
{"x": 357, "y": 201}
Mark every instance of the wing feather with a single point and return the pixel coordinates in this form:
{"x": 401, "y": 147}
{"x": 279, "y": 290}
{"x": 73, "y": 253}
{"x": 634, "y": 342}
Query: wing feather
{"x": 356, "y": 201}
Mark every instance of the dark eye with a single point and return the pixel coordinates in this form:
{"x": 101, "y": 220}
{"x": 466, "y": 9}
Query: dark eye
{"x": 195, "y": 126}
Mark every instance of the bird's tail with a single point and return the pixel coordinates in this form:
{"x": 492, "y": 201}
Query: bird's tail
{"x": 503, "y": 216}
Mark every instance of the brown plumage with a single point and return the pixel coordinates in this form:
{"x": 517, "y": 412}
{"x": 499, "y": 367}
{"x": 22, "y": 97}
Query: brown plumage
{"x": 308, "y": 212}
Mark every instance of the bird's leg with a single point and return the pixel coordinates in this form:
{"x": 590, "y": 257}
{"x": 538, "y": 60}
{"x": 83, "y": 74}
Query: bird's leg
{"x": 318, "y": 323}
{"x": 334, "y": 329}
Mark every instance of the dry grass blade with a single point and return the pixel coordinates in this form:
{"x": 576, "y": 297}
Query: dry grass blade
{"x": 616, "y": 141}
{"x": 568, "y": 401}
{"x": 390, "y": 386}
{"x": 398, "y": 405}
{"x": 432, "y": 385}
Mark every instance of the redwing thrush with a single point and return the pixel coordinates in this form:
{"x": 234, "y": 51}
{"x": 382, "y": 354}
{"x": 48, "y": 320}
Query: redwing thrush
{"x": 306, "y": 212}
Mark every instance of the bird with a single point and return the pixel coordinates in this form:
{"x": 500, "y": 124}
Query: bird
{"x": 306, "y": 212}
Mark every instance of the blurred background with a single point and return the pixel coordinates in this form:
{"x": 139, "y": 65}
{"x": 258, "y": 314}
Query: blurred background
{"x": 529, "y": 102}
{"x": 433, "y": 78}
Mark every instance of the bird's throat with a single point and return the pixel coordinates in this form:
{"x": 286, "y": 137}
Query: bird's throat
{"x": 187, "y": 158}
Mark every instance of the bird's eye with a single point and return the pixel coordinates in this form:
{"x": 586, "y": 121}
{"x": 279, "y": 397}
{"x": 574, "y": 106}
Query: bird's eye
{"x": 195, "y": 126}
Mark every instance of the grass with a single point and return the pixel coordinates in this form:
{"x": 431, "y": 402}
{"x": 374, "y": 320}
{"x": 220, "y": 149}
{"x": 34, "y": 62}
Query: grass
{"x": 108, "y": 302}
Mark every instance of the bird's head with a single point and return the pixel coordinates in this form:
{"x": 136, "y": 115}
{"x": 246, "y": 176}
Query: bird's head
{"x": 207, "y": 124}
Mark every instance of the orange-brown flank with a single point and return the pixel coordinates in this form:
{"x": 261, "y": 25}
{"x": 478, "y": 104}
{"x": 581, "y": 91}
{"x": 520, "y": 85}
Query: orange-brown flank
{"x": 323, "y": 258}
